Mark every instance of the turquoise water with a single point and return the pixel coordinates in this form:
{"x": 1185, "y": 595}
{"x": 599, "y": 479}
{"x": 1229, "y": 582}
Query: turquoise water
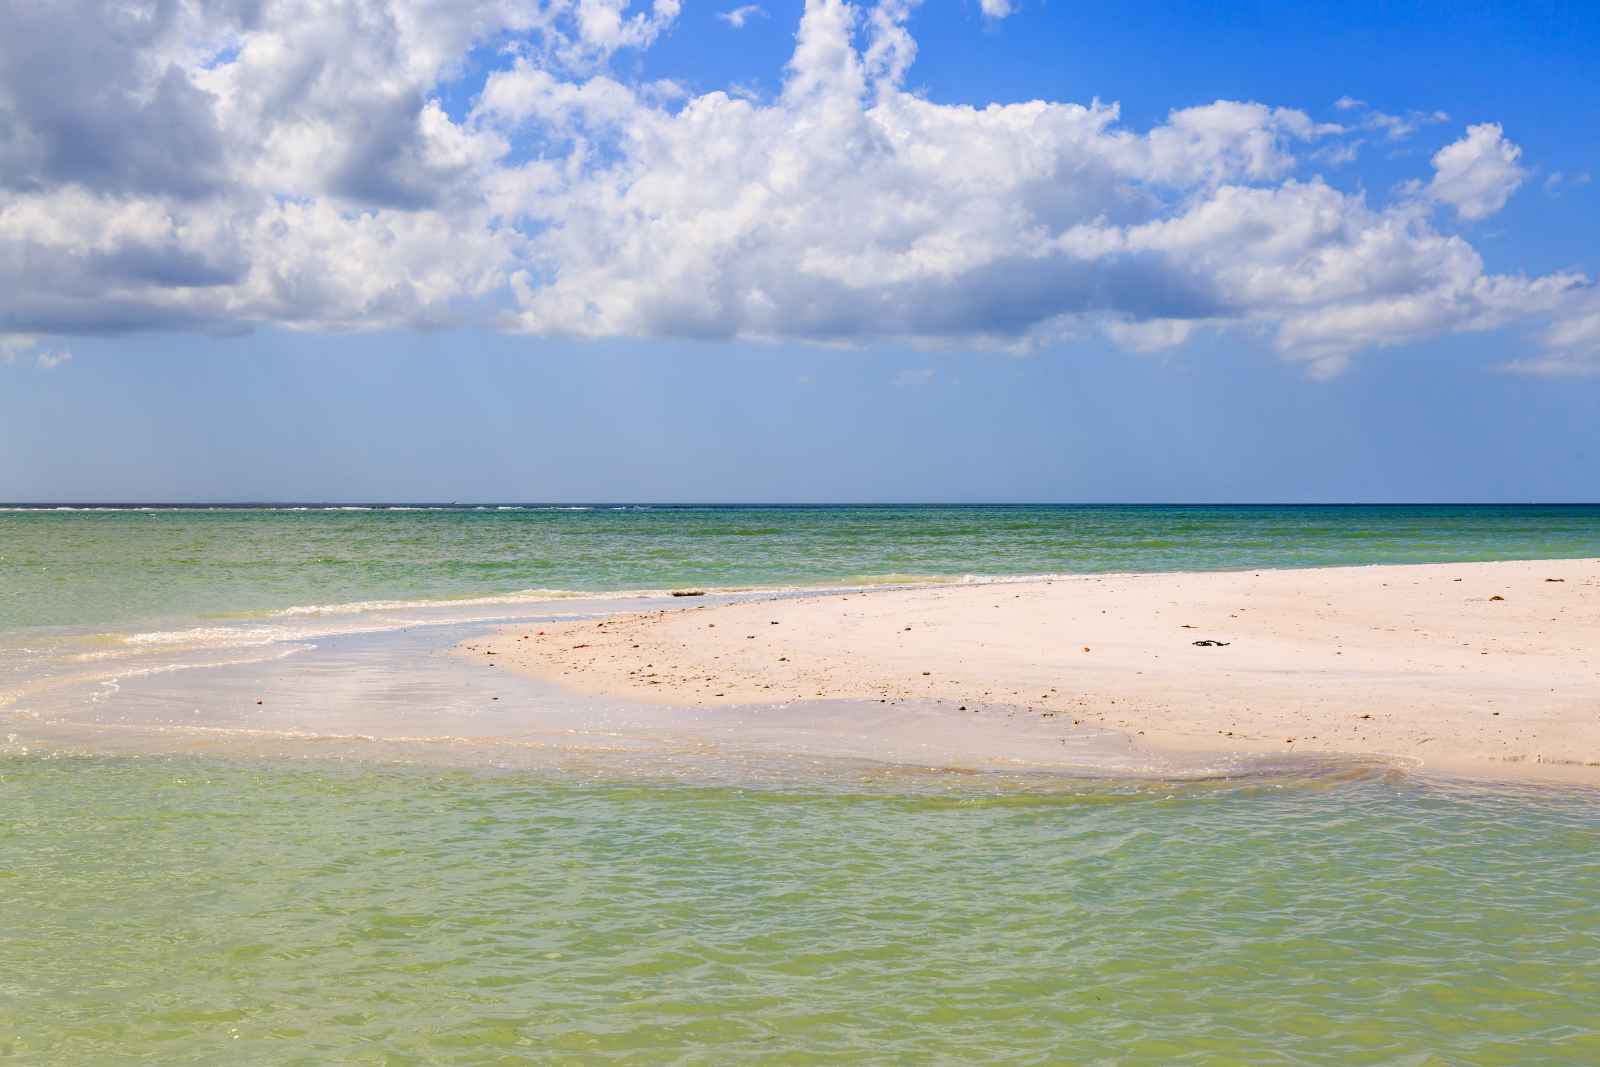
{"x": 645, "y": 906}
{"x": 99, "y": 568}
{"x": 189, "y": 911}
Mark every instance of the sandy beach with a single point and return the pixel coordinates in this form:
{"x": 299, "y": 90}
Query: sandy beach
{"x": 1486, "y": 669}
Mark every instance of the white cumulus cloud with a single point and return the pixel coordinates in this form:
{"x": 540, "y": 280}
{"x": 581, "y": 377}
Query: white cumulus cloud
{"x": 1477, "y": 174}
{"x": 850, "y": 209}
{"x": 221, "y": 166}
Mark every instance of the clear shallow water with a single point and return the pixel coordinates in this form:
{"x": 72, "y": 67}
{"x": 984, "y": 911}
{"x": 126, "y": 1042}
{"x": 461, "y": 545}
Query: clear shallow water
{"x": 180, "y": 910}
{"x": 731, "y": 906}
{"x": 95, "y": 595}
{"x": 115, "y": 568}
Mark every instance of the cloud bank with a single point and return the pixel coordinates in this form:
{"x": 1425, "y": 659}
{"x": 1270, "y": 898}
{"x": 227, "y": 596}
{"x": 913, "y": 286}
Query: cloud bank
{"x": 222, "y": 165}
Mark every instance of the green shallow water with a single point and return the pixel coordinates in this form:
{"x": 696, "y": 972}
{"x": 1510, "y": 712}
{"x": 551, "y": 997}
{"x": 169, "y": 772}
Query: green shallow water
{"x": 105, "y": 568}
{"x": 179, "y": 910}
{"x": 188, "y": 911}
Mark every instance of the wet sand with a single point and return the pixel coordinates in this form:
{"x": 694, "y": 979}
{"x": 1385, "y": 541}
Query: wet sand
{"x": 407, "y": 697}
{"x": 1485, "y": 669}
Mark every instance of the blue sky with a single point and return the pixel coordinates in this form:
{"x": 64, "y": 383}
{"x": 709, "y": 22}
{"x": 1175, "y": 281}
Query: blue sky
{"x": 587, "y": 251}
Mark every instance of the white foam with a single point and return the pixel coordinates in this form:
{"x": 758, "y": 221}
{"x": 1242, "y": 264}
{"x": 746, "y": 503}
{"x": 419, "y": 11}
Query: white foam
{"x": 525, "y": 596}
{"x": 213, "y": 636}
{"x": 257, "y": 636}
{"x": 168, "y": 668}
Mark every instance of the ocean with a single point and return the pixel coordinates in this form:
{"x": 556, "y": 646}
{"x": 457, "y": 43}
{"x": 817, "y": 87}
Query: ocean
{"x": 98, "y": 565}
{"x": 379, "y": 877}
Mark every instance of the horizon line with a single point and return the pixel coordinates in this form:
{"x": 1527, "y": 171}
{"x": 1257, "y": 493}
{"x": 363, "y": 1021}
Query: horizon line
{"x": 509, "y": 503}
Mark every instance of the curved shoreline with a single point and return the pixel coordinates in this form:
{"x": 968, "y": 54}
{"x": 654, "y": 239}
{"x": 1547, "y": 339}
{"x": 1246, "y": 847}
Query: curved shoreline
{"x": 1411, "y": 662}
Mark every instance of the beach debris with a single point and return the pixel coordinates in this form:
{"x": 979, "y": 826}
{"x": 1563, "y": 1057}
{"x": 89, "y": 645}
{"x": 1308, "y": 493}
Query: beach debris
{"x": 1086, "y": 648}
{"x": 688, "y": 592}
{"x": 1186, "y": 626}
{"x": 1555, "y": 579}
{"x": 1497, "y": 596}
{"x": 1206, "y": 642}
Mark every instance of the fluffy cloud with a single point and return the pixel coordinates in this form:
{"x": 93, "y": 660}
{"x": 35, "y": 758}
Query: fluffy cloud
{"x": 213, "y": 166}
{"x": 1477, "y": 174}
{"x": 605, "y": 24}
{"x": 848, "y": 208}
{"x": 737, "y": 17}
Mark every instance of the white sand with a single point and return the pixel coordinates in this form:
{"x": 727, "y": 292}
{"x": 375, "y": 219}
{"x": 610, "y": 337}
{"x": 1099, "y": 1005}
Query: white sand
{"x": 1412, "y": 662}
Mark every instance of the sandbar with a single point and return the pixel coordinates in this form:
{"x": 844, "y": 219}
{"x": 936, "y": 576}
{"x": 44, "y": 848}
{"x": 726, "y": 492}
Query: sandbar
{"x": 1484, "y": 669}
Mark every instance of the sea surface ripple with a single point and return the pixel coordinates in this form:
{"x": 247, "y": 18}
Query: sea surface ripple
{"x": 181, "y": 910}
